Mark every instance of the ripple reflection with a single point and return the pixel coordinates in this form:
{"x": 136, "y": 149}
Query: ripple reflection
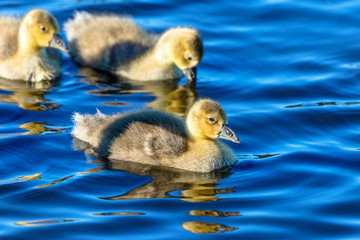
{"x": 206, "y": 227}
{"x": 27, "y": 95}
{"x": 213, "y": 213}
{"x": 166, "y": 182}
{"x": 168, "y": 95}
{"x": 38, "y": 128}
{"x": 322, "y": 104}
{"x": 42, "y": 222}
{"x": 21, "y": 179}
{"x": 118, "y": 213}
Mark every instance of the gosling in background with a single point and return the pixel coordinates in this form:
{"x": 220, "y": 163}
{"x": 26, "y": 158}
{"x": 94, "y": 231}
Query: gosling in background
{"x": 116, "y": 44}
{"x": 28, "y": 47}
{"x": 163, "y": 139}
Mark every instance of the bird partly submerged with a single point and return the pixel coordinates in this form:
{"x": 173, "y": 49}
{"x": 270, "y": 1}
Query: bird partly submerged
{"x": 116, "y": 44}
{"x": 29, "y": 47}
{"x": 163, "y": 139}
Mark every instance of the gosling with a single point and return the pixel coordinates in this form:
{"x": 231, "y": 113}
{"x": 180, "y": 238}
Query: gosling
{"x": 116, "y": 44}
{"x": 159, "y": 138}
{"x": 28, "y": 47}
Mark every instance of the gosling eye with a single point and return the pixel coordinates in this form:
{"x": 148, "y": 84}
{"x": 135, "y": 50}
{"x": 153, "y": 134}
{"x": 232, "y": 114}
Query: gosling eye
{"x": 211, "y": 119}
{"x": 42, "y": 28}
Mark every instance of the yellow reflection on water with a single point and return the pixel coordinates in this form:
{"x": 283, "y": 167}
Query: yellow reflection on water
{"x": 176, "y": 101}
{"x": 203, "y": 192}
{"x": 213, "y": 213}
{"x": 38, "y": 128}
{"x": 168, "y": 95}
{"x": 42, "y": 222}
{"x": 27, "y": 95}
{"x": 168, "y": 182}
{"x": 92, "y": 170}
{"x": 21, "y": 179}
{"x": 55, "y": 182}
{"x": 206, "y": 227}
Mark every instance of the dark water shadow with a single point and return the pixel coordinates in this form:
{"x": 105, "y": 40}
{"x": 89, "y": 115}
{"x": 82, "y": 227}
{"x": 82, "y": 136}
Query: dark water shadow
{"x": 27, "y": 95}
{"x": 322, "y": 104}
{"x": 169, "y": 96}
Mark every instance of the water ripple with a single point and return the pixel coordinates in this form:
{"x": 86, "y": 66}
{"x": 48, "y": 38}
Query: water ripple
{"x": 118, "y": 213}
{"x": 21, "y": 179}
{"x": 206, "y": 227}
{"x": 42, "y": 222}
{"x": 37, "y": 128}
{"x": 322, "y": 104}
{"x": 286, "y": 73}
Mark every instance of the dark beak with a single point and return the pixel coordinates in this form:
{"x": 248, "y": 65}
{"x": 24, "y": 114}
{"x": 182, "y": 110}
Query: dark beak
{"x": 57, "y": 42}
{"x": 228, "y": 134}
{"x": 190, "y": 73}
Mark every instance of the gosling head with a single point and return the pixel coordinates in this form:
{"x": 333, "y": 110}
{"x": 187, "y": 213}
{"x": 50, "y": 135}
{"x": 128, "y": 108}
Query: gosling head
{"x": 43, "y": 30}
{"x": 186, "y": 51}
{"x": 206, "y": 119}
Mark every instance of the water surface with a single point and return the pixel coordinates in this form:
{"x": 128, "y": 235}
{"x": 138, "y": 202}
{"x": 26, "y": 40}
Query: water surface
{"x": 287, "y": 74}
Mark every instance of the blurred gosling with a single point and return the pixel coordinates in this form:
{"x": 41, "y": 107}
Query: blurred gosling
{"x": 27, "y": 47}
{"x": 116, "y": 44}
{"x": 160, "y": 138}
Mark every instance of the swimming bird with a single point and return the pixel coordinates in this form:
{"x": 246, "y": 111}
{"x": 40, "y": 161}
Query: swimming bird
{"x": 159, "y": 138}
{"x": 27, "y": 47}
{"x": 116, "y": 44}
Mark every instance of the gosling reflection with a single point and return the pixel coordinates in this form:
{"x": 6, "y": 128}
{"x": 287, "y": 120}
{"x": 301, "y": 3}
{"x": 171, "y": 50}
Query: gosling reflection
{"x": 192, "y": 186}
{"x": 206, "y": 227}
{"x": 21, "y": 179}
{"x": 204, "y": 191}
{"x": 55, "y": 182}
{"x": 213, "y": 213}
{"x": 168, "y": 95}
{"x": 42, "y": 222}
{"x": 42, "y": 128}
{"x": 27, "y": 95}
{"x": 89, "y": 171}
{"x": 38, "y": 128}
{"x": 176, "y": 101}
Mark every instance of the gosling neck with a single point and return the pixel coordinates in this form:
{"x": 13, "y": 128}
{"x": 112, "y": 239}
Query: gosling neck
{"x": 193, "y": 133}
{"x": 26, "y": 41}
{"x": 156, "y": 63}
{"x": 162, "y": 51}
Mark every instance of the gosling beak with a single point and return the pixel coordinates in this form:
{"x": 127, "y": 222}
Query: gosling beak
{"x": 190, "y": 73}
{"x": 228, "y": 134}
{"x": 57, "y": 42}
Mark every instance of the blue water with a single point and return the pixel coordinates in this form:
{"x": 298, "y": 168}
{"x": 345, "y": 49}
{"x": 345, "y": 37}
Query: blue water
{"x": 288, "y": 76}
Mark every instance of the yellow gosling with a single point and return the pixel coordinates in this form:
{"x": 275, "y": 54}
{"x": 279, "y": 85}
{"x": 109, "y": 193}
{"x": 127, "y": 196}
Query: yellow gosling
{"x": 116, "y": 44}
{"x": 27, "y": 47}
{"x": 159, "y": 138}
